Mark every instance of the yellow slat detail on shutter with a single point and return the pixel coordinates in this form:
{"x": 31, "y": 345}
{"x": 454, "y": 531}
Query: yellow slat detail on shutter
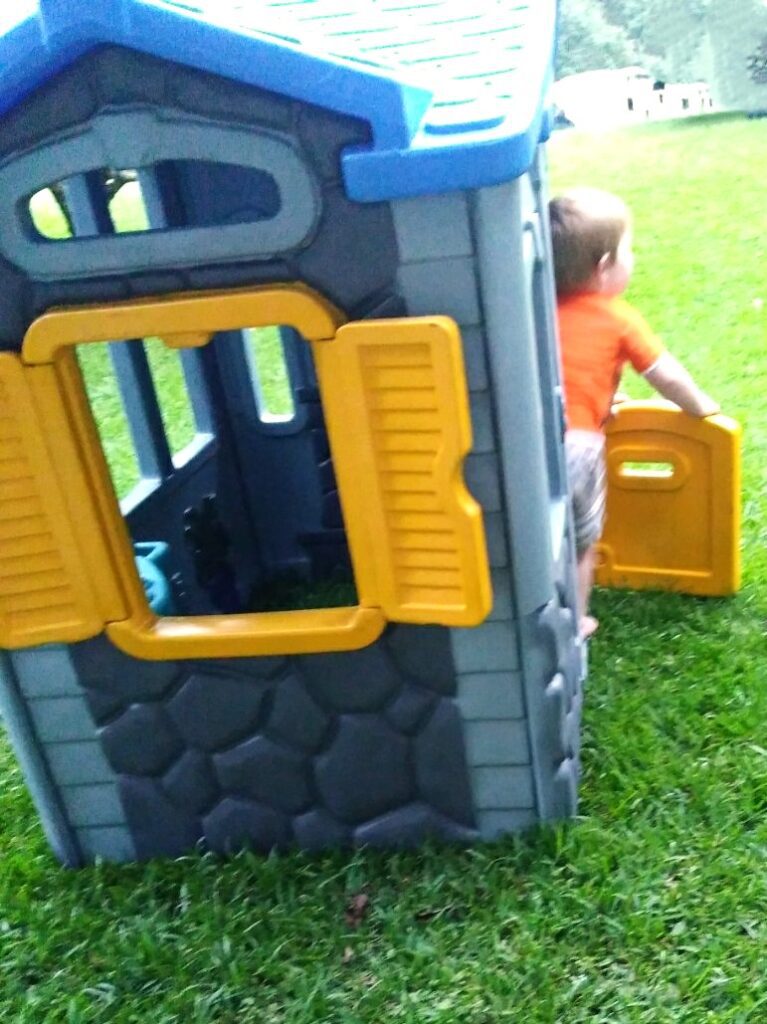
{"x": 396, "y": 404}
{"x": 47, "y": 591}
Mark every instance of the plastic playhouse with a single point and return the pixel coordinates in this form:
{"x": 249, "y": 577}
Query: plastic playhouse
{"x": 362, "y": 184}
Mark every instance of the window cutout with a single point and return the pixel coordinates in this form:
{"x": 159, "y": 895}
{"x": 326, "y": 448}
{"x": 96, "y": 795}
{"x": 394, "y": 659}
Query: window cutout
{"x": 213, "y": 548}
{"x": 108, "y": 412}
{"x": 127, "y": 209}
{"x": 209, "y": 187}
{"x": 648, "y": 470}
{"x": 49, "y": 213}
{"x": 270, "y": 374}
{"x": 172, "y": 395}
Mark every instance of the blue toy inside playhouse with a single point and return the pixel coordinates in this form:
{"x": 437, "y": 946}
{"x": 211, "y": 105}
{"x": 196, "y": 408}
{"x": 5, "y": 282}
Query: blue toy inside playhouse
{"x": 351, "y": 197}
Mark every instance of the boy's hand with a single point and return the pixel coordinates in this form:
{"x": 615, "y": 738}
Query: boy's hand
{"x": 619, "y": 398}
{"x": 712, "y": 408}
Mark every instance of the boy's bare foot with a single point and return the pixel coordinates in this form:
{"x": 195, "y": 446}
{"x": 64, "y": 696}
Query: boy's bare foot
{"x": 589, "y": 625}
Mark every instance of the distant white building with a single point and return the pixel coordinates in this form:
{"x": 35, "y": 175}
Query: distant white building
{"x": 604, "y": 98}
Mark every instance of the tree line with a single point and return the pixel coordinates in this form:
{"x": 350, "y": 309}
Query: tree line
{"x": 664, "y": 36}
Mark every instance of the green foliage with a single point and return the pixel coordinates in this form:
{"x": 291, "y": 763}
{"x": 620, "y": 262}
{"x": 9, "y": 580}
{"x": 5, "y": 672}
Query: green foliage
{"x": 650, "y": 909}
{"x": 588, "y": 40}
{"x": 663, "y": 37}
{"x": 757, "y": 63}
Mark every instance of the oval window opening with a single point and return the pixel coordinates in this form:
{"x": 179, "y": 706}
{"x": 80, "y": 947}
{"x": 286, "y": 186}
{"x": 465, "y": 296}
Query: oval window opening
{"x": 647, "y": 470}
{"x": 121, "y": 194}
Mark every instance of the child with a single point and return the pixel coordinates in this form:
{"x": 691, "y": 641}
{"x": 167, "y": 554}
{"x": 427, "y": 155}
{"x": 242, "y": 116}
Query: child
{"x": 599, "y": 333}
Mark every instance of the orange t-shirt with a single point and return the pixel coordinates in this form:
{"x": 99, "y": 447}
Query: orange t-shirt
{"x": 598, "y": 336}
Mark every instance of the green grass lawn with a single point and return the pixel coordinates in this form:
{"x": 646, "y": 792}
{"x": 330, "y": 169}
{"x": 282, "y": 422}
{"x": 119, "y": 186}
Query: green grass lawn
{"x": 650, "y": 908}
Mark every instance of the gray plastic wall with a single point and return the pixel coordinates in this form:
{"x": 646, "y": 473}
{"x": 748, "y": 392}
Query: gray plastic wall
{"x": 484, "y": 259}
{"x": 73, "y": 787}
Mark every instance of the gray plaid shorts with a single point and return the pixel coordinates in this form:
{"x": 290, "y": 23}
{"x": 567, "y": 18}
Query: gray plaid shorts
{"x": 585, "y": 454}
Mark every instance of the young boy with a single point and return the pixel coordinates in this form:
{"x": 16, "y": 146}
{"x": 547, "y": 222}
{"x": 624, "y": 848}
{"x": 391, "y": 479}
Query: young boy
{"x": 599, "y": 333}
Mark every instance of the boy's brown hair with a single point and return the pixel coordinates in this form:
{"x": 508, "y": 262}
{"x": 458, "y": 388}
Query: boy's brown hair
{"x": 586, "y": 224}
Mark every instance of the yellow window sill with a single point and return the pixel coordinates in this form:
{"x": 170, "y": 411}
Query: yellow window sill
{"x": 249, "y": 635}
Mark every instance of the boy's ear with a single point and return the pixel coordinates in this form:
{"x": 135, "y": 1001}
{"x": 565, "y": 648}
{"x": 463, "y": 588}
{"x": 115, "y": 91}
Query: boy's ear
{"x": 605, "y": 262}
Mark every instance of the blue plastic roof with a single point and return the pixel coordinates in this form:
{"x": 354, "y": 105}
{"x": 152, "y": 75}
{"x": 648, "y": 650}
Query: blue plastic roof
{"x": 453, "y": 90}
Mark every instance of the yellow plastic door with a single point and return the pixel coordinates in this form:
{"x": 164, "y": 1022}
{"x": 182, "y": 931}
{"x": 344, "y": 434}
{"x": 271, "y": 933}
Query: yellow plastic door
{"x": 673, "y": 502}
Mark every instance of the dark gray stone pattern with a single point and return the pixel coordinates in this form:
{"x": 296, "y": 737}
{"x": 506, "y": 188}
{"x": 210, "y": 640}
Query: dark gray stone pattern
{"x": 359, "y": 748}
{"x": 113, "y": 78}
{"x": 559, "y": 737}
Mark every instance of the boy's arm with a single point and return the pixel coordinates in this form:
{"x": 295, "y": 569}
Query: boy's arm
{"x": 670, "y": 379}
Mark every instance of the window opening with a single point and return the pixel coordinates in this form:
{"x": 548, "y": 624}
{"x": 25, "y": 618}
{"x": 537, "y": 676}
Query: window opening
{"x": 258, "y": 193}
{"x": 286, "y": 393}
{"x": 291, "y": 552}
{"x": 647, "y": 470}
{"x": 106, "y": 404}
{"x": 172, "y": 395}
{"x": 127, "y": 209}
{"x": 121, "y": 192}
{"x": 270, "y": 374}
{"x": 50, "y": 215}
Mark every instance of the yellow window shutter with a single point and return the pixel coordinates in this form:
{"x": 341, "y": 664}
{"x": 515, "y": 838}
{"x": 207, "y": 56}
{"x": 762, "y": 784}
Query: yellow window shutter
{"x": 48, "y": 529}
{"x": 396, "y": 405}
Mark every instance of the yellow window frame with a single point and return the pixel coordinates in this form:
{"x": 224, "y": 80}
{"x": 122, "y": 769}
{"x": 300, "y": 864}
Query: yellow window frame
{"x": 415, "y": 534}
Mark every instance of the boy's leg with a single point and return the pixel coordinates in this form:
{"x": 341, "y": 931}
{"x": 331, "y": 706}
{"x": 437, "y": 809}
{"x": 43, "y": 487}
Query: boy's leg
{"x": 586, "y": 562}
{"x": 586, "y": 473}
